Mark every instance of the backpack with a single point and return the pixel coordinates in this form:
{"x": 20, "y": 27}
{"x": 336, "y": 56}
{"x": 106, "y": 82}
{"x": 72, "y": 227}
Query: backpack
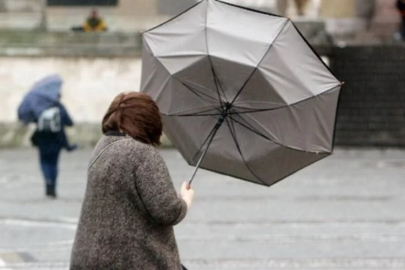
{"x": 49, "y": 120}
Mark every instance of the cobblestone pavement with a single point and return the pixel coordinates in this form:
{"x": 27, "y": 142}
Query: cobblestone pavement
{"x": 345, "y": 212}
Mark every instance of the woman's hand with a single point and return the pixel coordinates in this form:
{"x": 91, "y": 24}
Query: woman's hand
{"x": 187, "y": 194}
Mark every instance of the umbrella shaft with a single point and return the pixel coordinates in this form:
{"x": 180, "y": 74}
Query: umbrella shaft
{"x": 212, "y": 135}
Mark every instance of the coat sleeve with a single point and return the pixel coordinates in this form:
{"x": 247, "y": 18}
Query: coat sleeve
{"x": 156, "y": 189}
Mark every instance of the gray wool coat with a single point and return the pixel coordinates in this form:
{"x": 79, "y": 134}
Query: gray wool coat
{"x": 129, "y": 210}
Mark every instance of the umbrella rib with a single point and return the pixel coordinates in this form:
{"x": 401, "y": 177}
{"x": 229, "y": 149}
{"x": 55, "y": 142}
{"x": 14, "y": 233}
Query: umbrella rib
{"x": 197, "y": 93}
{"x": 262, "y": 135}
{"x": 192, "y": 88}
{"x": 249, "y": 127}
{"x": 261, "y": 60}
{"x": 209, "y": 58}
{"x": 215, "y": 80}
{"x": 218, "y": 82}
{"x": 200, "y": 113}
{"x": 194, "y": 115}
{"x": 233, "y": 134}
{"x": 253, "y": 111}
{"x": 282, "y": 107}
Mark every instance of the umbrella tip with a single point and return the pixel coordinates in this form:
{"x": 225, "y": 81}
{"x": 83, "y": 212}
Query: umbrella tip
{"x": 342, "y": 83}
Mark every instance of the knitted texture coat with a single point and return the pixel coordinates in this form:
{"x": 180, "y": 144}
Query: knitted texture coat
{"x": 129, "y": 210}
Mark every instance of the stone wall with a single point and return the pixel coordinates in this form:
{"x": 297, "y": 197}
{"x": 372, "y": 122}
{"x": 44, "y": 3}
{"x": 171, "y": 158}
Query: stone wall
{"x": 372, "y": 105}
{"x": 89, "y": 86}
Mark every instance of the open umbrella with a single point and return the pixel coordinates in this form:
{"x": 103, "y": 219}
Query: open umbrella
{"x": 43, "y": 95}
{"x": 241, "y": 92}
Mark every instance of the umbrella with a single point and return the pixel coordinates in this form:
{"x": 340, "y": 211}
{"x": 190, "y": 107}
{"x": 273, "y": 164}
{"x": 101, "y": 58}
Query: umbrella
{"x": 43, "y": 95}
{"x": 241, "y": 92}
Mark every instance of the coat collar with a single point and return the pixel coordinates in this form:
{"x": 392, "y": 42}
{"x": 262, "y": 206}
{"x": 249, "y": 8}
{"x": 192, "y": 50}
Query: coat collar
{"x": 114, "y": 133}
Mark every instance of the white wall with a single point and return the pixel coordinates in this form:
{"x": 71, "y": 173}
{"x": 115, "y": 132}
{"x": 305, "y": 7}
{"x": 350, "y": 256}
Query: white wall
{"x": 90, "y": 83}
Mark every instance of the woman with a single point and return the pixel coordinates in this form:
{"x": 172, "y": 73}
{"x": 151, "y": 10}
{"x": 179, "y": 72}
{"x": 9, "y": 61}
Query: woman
{"x": 130, "y": 205}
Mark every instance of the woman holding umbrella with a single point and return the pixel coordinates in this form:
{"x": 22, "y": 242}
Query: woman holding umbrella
{"x": 42, "y": 106}
{"x": 130, "y": 205}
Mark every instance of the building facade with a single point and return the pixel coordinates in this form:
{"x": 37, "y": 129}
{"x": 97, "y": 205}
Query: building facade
{"x": 135, "y": 15}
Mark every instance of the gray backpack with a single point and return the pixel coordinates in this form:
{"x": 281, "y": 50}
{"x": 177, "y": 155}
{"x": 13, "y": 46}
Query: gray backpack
{"x": 49, "y": 120}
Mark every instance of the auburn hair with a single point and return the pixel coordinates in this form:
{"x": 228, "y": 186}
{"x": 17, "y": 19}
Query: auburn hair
{"x": 136, "y": 115}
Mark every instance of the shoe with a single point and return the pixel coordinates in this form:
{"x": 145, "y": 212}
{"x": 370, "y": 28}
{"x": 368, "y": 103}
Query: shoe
{"x": 50, "y": 191}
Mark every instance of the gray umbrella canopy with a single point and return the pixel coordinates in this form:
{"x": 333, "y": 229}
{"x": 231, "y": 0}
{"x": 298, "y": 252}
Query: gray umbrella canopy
{"x": 240, "y": 92}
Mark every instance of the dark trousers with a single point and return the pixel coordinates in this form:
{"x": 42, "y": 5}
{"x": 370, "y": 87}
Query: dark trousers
{"x": 49, "y": 166}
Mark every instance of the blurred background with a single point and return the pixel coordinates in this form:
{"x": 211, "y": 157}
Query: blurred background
{"x": 359, "y": 39}
{"x": 345, "y": 212}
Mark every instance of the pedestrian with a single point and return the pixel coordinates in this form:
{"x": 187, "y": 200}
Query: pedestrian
{"x": 94, "y": 23}
{"x": 50, "y": 138}
{"x": 401, "y": 9}
{"x": 42, "y": 106}
{"x": 130, "y": 204}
